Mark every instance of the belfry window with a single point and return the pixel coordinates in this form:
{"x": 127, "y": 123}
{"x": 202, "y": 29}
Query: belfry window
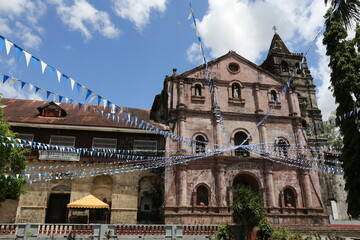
{"x": 298, "y": 69}
{"x": 284, "y": 66}
{"x": 235, "y": 90}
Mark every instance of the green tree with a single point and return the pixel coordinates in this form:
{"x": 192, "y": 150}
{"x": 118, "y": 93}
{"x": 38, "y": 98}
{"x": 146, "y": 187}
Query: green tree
{"x": 335, "y": 139}
{"x": 349, "y": 11}
{"x": 12, "y": 162}
{"x": 345, "y": 82}
{"x": 248, "y": 209}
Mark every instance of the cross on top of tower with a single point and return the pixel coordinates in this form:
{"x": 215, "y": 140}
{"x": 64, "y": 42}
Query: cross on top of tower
{"x": 274, "y": 28}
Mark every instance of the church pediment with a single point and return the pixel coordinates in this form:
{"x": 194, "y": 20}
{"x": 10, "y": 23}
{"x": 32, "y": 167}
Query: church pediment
{"x": 232, "y": 66}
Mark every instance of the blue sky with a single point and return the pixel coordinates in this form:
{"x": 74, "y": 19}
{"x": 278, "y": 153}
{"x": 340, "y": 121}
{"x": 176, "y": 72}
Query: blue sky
{"x": 123, "y": 49}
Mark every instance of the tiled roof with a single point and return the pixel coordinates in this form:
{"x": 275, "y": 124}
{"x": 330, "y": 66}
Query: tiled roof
{"x": 26, "y": 111}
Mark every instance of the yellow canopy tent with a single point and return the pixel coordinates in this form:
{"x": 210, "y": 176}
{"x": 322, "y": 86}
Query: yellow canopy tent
{"x": 89, "y": 201}
{"x": 79, "y": 210}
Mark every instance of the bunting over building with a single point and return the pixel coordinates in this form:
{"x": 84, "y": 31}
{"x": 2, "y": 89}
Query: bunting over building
{"x": 196, "y": 192}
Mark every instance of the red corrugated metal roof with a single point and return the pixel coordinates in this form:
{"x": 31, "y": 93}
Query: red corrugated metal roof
{"x": 25, "y": 111}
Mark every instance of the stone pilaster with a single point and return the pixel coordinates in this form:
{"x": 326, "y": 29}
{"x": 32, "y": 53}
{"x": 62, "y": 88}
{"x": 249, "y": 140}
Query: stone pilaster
{"x": 256, "y": 99}
{"x": 182, "y": 193}
{"x": 306, "y": 187}
{"x": 269, "y": 183}
{"x": 220, "y": 185}
{"x": 263, "y": 137}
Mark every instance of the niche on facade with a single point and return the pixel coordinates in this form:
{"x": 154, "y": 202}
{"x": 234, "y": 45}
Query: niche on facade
{"x": 235, "y": 93}
{"x": 273, "y": 97}
{"x": 150, "y": 200}
{"x": 201, "y": 198}
{"x": 197, "y": 93}
{"x": 288, "y": 197}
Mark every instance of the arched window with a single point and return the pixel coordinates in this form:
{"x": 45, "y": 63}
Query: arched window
{"x": 289, "y": 197}
{"x": 284, "y": 66}
{"x": 282, "y": 147}
{"x": 273, "y": 95}
{"x": 197, "y": 90}
{"x": 200, "y": 144}
{"x": 202, "y": 196}
{"x": 239, "y": 139}
{"x": 298, "y": 69}
{"x": 235, "y": 90}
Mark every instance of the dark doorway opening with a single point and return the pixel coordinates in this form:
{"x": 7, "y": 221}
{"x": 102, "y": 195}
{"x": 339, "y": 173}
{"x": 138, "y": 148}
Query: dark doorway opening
{"x": 98, "y": 216}
{"x": 57, "y": 211}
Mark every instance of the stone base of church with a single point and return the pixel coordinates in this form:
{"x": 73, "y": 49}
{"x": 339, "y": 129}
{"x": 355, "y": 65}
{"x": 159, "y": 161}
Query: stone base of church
{"x": 215, "y": 216}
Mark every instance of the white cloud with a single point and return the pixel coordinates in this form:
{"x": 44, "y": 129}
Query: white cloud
{"x": 8, "y": 91}
{"x": 84, "y": 17}
{"x": 30, "y": 39}
{"x": 194, "y": 54}
{"x": 326, "y": 101}
{"x": 245, "y": 26}
{"x": 138, "y": 11}
{"x": 29, "y": 12}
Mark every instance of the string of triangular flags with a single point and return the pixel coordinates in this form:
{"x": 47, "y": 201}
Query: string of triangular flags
{"x": 208, "y": 80}
{"x": 296, "y": 162}
{"x": 101, "y": 153}
{"x": 127, "y": 118}
{"x": 85, "y": 173}
{"x": 290, "y": 151}
{"x": 320, "y": 126}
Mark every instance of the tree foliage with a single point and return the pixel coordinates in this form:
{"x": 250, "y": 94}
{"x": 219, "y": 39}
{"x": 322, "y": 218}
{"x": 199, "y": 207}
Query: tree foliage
{"x": 12, "y": 162}
{"x": 335, "y": 139}
{"x": 349, "y": 11}
{"x": 248, "y": 209}
{"x": 345, "y": 82}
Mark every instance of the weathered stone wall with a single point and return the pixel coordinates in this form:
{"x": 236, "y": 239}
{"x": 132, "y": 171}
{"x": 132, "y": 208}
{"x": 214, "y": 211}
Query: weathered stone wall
{"x": 8, "y": 211}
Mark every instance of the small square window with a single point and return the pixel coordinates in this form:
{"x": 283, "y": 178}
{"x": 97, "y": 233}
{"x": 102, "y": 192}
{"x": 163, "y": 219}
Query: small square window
{"x": 62, "y": 141}
{"x": 104, "y": 143}
{"x": 145, "y": 147}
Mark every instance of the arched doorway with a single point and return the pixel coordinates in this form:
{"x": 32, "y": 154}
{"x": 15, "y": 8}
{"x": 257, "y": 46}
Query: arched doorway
{"x": 150, "y": 200}
{"x": 56, "y": 211}
{"x": 247, "y": 179}
{"x": 101, "y": 189}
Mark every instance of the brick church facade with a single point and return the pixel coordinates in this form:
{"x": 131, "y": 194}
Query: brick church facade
{"x": 201, "y": 192}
